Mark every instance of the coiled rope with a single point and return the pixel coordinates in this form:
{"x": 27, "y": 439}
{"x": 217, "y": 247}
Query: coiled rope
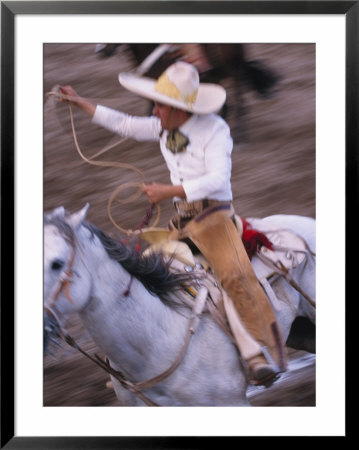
{"x": 55, "y": 92}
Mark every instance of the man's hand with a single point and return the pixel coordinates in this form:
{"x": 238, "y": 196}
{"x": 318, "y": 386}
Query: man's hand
{"x": 156, "y": 192}
{"x": 68, "y": 91}
{"x": 75, "y": 99}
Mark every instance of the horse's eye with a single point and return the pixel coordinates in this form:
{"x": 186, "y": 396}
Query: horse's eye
{"x": 57, "y": 264}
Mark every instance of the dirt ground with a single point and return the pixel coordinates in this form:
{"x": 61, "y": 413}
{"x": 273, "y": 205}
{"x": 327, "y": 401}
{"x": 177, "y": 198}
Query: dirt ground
{"x": 273, "y": 173}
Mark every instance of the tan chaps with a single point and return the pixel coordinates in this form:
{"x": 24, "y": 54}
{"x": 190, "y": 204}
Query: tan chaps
{"x": 216, "y": 236}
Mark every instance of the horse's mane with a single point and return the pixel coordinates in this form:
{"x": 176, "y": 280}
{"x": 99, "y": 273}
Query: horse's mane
{"x": 152, "y": 270}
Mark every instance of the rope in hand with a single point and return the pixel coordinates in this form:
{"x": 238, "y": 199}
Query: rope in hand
{"x": 55, "y": 92}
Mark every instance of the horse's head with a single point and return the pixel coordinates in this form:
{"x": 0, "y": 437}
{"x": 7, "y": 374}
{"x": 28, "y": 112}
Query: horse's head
{"x": 60, "y": 247}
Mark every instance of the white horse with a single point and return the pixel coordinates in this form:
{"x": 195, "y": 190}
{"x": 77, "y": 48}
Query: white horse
{"x": 128, "y": 304}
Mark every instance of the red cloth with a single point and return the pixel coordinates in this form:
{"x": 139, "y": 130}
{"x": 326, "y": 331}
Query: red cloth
{"x": 253, "y": 240}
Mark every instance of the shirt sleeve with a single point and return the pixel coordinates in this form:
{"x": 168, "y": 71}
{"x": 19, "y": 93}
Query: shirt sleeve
{"x": 218, "y": 167}
{"x": 135, "y": 127}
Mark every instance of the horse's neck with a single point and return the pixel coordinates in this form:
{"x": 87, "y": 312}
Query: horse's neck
{"x": 127, "y": 325}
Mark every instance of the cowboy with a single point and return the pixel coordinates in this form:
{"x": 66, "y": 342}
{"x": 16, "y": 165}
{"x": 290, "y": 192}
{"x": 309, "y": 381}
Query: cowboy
{"x": 196, "y": 145}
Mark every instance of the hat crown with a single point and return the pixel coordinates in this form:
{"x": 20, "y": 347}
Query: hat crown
{"x": 184, "y": 76}
{"x": 179, "y": 81}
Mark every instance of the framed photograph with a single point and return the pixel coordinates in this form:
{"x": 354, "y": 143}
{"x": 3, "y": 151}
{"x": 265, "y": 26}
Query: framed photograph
{"x": 290, "y": 72}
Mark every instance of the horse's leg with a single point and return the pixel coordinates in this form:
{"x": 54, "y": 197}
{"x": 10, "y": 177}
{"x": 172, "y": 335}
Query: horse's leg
{"x": 236, "y": 63}
{"x": 106, "y": 50}
{"x": 226, "y": 61}
{"x": 237, "y": 111}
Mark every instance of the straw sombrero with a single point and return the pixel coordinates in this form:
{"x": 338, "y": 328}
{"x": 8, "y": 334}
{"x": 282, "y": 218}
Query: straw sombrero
{"x": 178, "y": 86}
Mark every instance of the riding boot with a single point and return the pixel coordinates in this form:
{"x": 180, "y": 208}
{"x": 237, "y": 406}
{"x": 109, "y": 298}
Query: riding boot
{"x": 249, "y": 312}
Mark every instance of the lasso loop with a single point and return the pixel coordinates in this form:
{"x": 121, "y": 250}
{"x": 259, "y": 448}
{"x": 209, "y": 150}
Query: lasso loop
{"x": 128, "y": 200}
{"x": 120, "y": 188}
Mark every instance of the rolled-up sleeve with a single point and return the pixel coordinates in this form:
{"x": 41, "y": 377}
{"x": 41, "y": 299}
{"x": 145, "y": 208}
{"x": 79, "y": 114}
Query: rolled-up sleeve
{"x": 215, "y": 183}
{"x": 135, "y": 127}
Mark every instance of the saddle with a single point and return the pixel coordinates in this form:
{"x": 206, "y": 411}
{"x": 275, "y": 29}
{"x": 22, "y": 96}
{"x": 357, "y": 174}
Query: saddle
{"x": 288, "y": 252}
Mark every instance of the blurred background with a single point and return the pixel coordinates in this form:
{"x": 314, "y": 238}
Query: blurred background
{"x": 271, "y": 111}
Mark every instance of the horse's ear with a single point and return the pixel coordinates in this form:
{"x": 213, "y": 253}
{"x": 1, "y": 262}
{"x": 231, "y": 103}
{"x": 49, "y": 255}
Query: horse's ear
{"x": 76, "y": 219}
{"x": 58, "y": 212}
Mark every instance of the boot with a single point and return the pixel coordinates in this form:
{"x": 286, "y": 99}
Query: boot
{"x": 260, "y": 372}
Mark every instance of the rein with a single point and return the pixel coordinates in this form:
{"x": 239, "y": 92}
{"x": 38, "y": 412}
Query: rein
{"x": 55, "y": 92}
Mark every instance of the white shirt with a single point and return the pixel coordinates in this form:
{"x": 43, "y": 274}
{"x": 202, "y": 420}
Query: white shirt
{"x": 203, "y": 169}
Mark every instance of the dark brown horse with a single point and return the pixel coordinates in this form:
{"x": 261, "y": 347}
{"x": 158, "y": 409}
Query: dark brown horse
{"x": 215, "y": 63}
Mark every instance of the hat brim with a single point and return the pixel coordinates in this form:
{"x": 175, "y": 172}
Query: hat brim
{"x": 210, "y": 97}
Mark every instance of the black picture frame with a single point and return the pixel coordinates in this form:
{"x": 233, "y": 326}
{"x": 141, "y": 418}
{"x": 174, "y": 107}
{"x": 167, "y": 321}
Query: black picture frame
{"x": 9, "y": 9}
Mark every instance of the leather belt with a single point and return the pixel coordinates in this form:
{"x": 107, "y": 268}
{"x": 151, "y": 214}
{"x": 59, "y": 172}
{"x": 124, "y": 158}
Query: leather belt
{"x": 191, "y": 209}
